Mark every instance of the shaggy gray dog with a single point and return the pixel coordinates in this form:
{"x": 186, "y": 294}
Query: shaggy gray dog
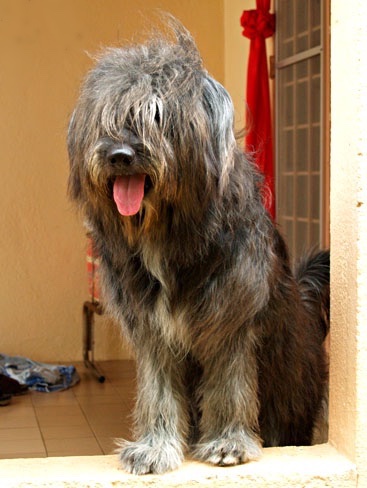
{"x": 228, "y": 340}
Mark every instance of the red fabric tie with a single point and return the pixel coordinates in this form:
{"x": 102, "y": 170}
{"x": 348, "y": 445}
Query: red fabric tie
{"x": 257, "y": 26}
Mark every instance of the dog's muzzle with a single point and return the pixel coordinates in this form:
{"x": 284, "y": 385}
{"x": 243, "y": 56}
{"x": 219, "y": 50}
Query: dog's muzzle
{"x": 129, "y": 184}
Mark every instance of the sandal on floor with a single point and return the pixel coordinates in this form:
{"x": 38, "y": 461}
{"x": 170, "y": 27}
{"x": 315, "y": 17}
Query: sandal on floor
{"x": 5, "y": 399}
{"x": 11, "y": 386}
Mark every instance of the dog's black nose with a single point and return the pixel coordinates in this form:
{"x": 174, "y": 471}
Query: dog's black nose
{"x": 121, "y": 155}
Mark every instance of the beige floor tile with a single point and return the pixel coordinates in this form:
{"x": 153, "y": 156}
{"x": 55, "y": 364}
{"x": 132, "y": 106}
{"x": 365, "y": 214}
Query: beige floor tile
{"x": 21, "y": 455}
{"x": 105, "y": 399}
{"x": 18, "y": 434}
{"x": 17, "y": 422}
{"x": 105, "y": 413}
{"x": 113, "y": 430}
{"x": 108, "y": 445}
{"x": 62, "y": 420}
{"x": 83, "y": 420}
{"x": 66, "y": 397}
{"x": 47, "y": 410}
{"x": 126, "y": 394}
{"x": 61, "y": 415}
{"x": 114, "y": 376}
{"x": 22, "y": 446}
{"x": 25, "y": 399}
{"x": 120, "y": 381}
{"x": 15, "y": 410}
{"x": 125, "y": 391}
{"x": 109, "y": 409}
{"x": 91, "y": 386}
{"x": 66, "y": 432}
{"x": 73, "y": 447}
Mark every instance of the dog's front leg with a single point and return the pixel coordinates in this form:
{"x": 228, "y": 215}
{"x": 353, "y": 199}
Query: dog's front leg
{"x": 160, "y": 414}
{"x": 229, "y": 406}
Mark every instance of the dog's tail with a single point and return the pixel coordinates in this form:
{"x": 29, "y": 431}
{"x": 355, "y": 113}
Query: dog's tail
{"x": 312, "y": 273}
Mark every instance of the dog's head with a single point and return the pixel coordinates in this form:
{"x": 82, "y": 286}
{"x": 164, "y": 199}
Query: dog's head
{"x": 151, "y": 128}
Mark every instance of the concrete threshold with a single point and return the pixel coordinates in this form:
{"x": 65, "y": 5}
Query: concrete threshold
{"x": 316, "y": 466}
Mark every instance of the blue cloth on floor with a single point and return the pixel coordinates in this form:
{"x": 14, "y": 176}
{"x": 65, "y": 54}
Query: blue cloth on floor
{"x": 38, "y": 376}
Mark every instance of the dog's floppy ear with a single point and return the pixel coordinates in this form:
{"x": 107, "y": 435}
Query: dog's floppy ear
{"x": 219, "y": 107}
{"x": 220, "y": 118}
{"x": 74, "y": 182}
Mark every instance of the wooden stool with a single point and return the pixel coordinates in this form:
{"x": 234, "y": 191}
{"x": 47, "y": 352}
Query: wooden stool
{"x": 90, "y": 308}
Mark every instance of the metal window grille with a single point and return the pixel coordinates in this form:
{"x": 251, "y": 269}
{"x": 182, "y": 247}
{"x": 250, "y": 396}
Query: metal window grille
{"x": 299, "y": 122}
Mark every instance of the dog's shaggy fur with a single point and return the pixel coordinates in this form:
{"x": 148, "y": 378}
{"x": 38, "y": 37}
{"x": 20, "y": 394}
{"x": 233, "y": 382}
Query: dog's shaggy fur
{"x": 228, "y": 340}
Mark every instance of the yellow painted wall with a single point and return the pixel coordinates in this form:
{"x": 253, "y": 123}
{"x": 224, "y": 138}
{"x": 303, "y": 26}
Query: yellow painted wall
{"x": 43, "y": 45}
{"x": 236, "y": 54}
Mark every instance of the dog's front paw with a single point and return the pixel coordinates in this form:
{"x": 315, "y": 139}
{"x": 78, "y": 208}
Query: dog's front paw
{"x": 237, "y": 448}
{"x": 150, "y": 456}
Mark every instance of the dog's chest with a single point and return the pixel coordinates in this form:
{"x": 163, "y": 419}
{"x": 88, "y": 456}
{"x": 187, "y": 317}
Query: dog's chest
{"x": 154, "y": 264}
{"x": 171, "y": 322}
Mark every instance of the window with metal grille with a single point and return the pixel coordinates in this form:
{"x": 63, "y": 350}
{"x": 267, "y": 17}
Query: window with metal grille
{"x": 300, "y": 123}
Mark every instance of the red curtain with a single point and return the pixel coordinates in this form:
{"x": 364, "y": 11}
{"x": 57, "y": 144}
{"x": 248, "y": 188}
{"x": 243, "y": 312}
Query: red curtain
{"x": 257, "y": 25}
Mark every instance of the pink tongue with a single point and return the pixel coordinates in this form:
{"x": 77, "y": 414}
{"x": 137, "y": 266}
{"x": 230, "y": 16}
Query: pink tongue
{"x": 128, "y": 193}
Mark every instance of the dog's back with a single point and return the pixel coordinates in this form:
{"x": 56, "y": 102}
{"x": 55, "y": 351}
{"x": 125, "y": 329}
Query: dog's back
{"x": 293, "y": 370}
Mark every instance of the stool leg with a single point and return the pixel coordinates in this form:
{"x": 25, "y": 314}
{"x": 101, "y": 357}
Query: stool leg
{"x": 88, "y": 357}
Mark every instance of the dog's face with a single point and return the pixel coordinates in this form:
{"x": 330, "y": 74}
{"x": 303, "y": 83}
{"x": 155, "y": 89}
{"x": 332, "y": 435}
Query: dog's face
{"x": 151, "y": 128}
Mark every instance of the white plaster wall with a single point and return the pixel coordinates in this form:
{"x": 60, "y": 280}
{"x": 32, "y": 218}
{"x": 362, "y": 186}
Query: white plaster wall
{"x": 348, "y": 381}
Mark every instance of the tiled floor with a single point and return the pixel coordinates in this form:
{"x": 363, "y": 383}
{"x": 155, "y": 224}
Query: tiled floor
{"x": 83, "y": 420}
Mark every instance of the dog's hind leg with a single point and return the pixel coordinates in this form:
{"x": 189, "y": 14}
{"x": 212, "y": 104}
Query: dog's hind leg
{"x": 160, "y": 414}
{"x": 229, "y": 406}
